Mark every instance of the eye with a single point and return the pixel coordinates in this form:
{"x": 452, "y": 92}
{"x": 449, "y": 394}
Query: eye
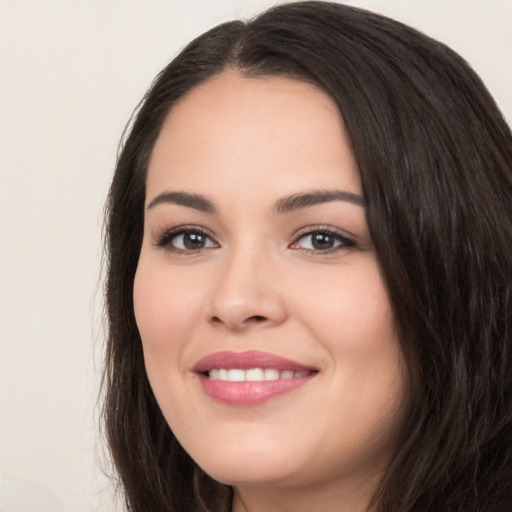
{"x": 322, "y": 240}
{"x": 186, "y": 240}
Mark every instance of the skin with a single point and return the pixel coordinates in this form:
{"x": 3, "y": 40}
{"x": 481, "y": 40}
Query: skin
{"x": 258, "y": 283}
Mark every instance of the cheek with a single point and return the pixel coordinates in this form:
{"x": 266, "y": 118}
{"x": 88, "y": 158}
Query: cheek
{"x": 349, "y": 309}
{"x": 349, "y": 314}
{"x": 167, "y": 307}
{"x": 165, "y": 318}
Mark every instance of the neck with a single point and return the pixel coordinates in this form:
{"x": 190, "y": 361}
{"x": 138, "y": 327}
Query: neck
{"x": 354, "y": 496}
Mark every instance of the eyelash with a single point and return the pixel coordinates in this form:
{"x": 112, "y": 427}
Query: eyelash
{"x": 165, "y": 239}
{"x": 344, "y": 242}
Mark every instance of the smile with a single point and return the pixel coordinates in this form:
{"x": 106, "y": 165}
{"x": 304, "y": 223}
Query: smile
{"x": 254, "y": 374}
{"x": 250, "y": 378}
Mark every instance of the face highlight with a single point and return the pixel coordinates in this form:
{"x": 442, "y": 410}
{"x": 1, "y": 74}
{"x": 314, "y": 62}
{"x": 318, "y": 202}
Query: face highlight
{"x": 268, "y": 336}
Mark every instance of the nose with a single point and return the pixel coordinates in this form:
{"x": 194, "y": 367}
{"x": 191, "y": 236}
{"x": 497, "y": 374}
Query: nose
{"x": 247, "y": 293}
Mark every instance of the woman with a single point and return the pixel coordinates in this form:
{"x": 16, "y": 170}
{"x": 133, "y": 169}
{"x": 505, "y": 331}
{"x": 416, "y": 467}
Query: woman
{"x": 310, "y": 271}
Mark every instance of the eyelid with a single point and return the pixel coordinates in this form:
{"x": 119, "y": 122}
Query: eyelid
{"x": 164, "y": 236}
{"x": 348, "y": 240}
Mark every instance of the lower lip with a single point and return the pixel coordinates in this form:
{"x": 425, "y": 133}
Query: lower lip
{"x": 250, "y": 393}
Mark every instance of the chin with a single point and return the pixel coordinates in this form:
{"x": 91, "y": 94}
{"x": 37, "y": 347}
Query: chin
{"x": 258, "y": 462}
{"x": 253, "y": 473}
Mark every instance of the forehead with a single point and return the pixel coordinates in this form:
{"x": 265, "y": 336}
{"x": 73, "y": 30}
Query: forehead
{"x": 249, "y": 131}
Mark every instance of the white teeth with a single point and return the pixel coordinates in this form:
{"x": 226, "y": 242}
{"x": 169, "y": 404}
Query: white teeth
{"x": 253, "y": 374}
{"x": 271, "y": 374}
{"x": 236, "y": 375}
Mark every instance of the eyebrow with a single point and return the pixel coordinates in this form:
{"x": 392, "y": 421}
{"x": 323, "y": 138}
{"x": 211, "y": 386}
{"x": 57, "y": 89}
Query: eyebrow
{"x": 284, "y": 205}
{"x": 195, "y": 201}
{"x": 304, "y": 200}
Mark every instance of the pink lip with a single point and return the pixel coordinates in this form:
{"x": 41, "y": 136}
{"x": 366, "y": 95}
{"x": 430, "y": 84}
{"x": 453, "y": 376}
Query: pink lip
{"x": 249, "y": 393}
{"x": 248, "y": 360}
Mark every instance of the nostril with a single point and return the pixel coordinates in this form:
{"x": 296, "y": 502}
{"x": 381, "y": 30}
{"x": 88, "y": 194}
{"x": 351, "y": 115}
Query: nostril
{"x": 256, "y": 318}
{"x": 238, "y": 322}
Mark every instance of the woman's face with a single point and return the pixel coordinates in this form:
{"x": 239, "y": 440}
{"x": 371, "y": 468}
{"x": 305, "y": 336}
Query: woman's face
{"x": 267, "y": 331}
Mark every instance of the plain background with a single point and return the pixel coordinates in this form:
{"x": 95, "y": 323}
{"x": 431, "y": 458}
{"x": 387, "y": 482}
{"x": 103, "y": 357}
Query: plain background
{"x": 71, "y": 73}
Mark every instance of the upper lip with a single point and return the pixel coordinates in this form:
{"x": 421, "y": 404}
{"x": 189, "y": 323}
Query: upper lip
{"x": 247, "y": 360}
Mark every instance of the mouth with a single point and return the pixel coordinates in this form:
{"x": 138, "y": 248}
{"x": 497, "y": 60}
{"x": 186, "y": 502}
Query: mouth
{"x": 250, "y": 378}
{"x": 254, "y": 374}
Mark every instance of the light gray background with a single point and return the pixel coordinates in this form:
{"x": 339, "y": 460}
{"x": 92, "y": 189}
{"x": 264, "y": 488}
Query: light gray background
{"x": 71, "y": 73}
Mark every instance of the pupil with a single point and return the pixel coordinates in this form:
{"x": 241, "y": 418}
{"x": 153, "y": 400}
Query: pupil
{"x": 193, "y": 241}
{"x": 322, "y": 241}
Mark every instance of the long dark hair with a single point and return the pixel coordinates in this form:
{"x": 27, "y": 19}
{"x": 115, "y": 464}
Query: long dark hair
{"x": 435, "y": 157}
